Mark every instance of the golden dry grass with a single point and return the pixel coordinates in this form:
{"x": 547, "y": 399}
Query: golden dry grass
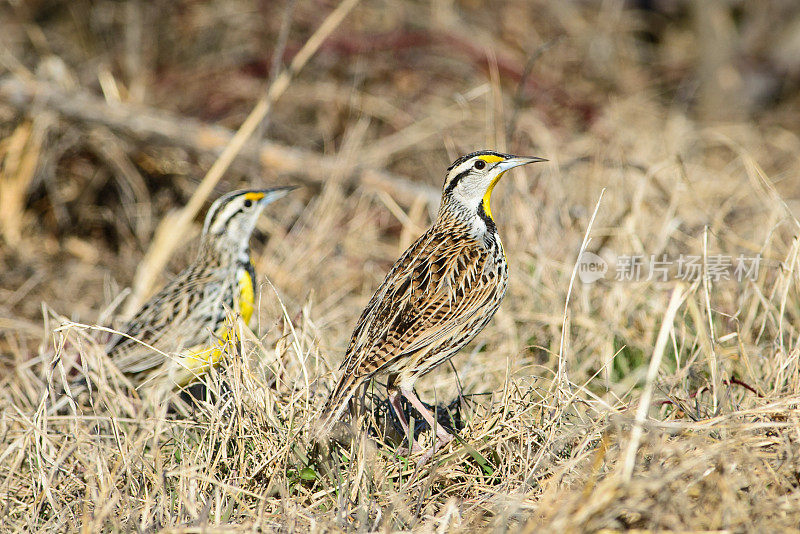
{"x": 398, "y": 91}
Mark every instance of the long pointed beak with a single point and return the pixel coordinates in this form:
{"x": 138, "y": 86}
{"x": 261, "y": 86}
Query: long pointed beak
{"x": 516, "y": 161}
{"x": 273, "y": 194}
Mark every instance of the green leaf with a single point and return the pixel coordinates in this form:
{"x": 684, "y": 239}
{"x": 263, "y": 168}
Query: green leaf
{"x": 308, "y": 473}
{"x": 488, "y": 470}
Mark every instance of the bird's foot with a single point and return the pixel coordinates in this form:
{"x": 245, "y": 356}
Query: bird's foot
{"x": 442, "y": 440}
{"x": 415, "y": 448}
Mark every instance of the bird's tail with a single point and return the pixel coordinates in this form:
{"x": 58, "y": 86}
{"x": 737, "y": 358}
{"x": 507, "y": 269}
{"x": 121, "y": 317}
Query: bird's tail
{"x": 335, "y": 405}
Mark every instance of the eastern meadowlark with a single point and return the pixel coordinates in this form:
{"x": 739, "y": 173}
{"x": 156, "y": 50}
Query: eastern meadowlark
{"x": 441, "y": 292}
{"x": 177, "y": 334}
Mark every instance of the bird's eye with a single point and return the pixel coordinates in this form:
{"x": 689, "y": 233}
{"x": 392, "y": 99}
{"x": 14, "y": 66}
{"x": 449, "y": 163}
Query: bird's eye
{"x": 248, "y": 203}
{"x": 480, "y": 164}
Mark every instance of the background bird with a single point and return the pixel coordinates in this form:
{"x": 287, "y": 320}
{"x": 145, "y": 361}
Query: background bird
{"x": 177, "y": 334}
{"x": 441, "y": 292}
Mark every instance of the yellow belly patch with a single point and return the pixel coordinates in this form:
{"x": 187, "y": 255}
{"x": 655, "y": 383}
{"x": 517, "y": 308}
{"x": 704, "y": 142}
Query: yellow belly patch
{"x": 196, "y": 361}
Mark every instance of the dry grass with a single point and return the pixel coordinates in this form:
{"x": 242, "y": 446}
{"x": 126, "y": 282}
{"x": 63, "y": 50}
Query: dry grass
{"x": 397, "y": 92}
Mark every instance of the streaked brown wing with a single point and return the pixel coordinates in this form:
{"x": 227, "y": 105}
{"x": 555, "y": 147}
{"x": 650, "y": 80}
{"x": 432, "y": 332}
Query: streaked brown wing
{"x": 436, "y": 287}
{"x": 165, "y": 322}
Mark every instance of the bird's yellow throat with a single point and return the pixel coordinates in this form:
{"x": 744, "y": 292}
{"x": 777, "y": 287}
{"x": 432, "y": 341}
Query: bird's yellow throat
{"x": 487, "y": 198}
{"x": 246, "y": 297}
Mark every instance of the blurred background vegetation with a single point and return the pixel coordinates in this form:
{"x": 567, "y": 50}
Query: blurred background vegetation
{"x": 88, "y": 170}
{"x": 686, "y": 112}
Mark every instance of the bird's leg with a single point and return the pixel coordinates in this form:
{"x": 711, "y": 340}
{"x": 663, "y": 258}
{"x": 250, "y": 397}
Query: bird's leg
{"x": 394, "y": 402}
{"x": 443, "y": 437}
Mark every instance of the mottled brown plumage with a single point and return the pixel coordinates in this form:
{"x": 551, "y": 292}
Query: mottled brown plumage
{"x": 441, "y": 292}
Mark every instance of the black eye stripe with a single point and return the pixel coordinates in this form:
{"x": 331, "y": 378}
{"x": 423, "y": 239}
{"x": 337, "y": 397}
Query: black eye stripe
{"x": 234, "y": 215}
{"x": 229, "y": 219}
{"x": 454, "y": 182}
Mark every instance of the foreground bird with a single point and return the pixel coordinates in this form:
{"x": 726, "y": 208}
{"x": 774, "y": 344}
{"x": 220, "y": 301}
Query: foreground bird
{"x": 177, "y": 334}
{"x": 441, "y": 292}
